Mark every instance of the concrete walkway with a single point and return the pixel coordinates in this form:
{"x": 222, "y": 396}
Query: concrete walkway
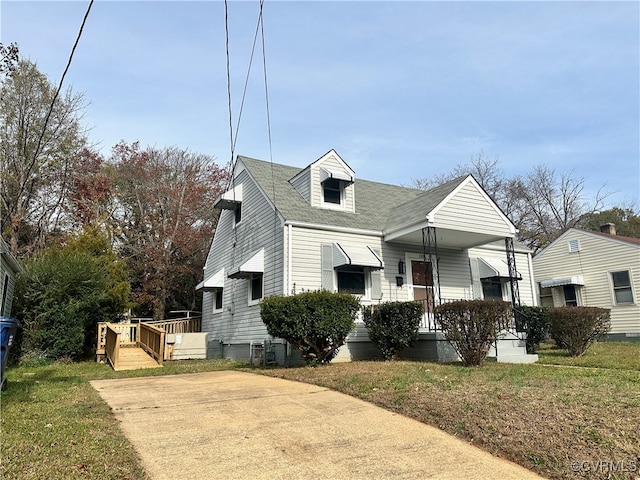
{"x": 236, "y": 425}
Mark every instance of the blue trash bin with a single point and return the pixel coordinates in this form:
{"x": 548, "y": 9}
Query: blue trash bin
{"x": 8, "y": 329}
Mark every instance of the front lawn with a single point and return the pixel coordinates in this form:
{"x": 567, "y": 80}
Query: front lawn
{"x": 560, "y": 421}
{"x": 618, "y": 355}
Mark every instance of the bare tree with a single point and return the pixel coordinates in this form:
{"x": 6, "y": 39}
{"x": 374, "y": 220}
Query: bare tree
{"x": 541, "y": 204}
{"x": 485, "y": 170}
{"x": 551, "y": 204}
{"x": 35, "y": 161}
{"x": 8, "y": 58}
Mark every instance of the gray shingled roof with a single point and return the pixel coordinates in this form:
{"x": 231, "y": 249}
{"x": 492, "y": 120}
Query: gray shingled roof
{"x": 378, "y": 205}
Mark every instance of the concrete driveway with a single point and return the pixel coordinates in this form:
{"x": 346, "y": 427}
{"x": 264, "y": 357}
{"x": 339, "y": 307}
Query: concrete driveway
{"x": 236, "y": 425}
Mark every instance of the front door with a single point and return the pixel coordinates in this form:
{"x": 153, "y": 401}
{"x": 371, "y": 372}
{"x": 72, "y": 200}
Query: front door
{"x": 422, "y": 284}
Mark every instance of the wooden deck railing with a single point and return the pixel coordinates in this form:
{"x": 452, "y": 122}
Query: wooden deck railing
{"x": 131, "y": 334}
{"x": 181, "y": 325}
{"x": 152, "y": 341}
{"x": 112, "y": 344}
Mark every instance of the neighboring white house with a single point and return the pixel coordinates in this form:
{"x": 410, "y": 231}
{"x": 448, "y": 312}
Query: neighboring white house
{"x": 284, "y": 230}
{"x": 9, "y": 269}
{"x": 593, "y": 269}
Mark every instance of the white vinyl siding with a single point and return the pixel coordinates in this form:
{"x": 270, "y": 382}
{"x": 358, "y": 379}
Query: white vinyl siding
{"x": 7, "y": 278}
{"x": 302, "y": 183}
{"x": 469, "y": 210}
{"x": 597, "y": 258}
{"x": 240, "y": 322}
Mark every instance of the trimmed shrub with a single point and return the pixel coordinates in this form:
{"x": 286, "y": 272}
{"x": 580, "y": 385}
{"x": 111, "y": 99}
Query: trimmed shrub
{"x": 393, "y": 326}
{"x": 575, "y": 328}
{"x": 536, "y": 320}
{"x": 316, "y": 323}
{"x": 471, "y": 326}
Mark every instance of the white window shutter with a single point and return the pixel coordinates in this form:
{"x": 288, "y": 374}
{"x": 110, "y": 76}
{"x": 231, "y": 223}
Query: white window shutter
{"x": 376, "y": 285}
{"x": 476, "y": 284}
{"x": 327, "y": 267}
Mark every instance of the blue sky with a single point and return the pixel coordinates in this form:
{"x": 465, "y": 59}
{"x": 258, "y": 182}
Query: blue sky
{"x": 401, "y": 90}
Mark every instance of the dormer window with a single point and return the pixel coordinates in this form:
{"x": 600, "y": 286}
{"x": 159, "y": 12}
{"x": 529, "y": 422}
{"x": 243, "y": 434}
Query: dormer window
{"x": 332, "y": 191}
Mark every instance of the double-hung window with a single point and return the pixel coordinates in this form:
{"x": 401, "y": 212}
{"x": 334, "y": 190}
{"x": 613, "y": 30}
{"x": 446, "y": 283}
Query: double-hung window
{"x": 332, "y": 191}
{"x": 217, "y": 300}
{"x": 255, "y": 288}
{"x": 351, "y": 279}
{"x": 622, "y": 290}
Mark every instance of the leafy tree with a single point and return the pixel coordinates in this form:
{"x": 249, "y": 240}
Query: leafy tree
{"x": 89, "y": 199}
{"x": 64, "y": 292}
{"x": 626, "y": 220}
{"x": 35, "y": 161}
{"x": 163, "y": 221}
{"x": 96, "y": 242}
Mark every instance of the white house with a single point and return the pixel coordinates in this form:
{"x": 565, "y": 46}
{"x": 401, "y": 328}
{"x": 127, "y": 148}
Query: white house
{"x": 593, "y": 269}
{"x": 283, "y": 230}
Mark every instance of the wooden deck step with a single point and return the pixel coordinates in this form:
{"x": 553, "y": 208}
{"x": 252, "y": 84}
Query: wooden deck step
{"x": 132, "y": 358}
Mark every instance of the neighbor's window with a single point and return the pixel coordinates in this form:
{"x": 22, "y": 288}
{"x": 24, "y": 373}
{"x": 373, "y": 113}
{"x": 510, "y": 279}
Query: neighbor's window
{"x": 546, "y": 297}
{"x": 237, "y": 213}
{"x": 622, "y": 286}
{"x": 570, "y": 296}
{"x": 352, "y": 280}
{"x": 217, "y": 300}
{"x": 255, "y": 288}
{"x": 331, "y": 191}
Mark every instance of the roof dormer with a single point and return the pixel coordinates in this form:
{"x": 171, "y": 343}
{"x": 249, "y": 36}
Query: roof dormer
{"x": 327, "y": 183}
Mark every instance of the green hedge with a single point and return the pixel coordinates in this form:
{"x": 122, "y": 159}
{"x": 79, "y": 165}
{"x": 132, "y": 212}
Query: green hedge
{"x": 472, "y": 326}
{"x": 536, "y": 320}
{"x": 393, "y": 326}
{"x": 316, "y": 323}
{"x": 575, "y": 328}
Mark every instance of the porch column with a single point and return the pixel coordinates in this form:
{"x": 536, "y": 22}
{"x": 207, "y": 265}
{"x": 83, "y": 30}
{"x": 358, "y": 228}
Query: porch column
{"x": 430, "y": 257}
{"x": 513, "y": 283}
{"x": 513, "y": 274}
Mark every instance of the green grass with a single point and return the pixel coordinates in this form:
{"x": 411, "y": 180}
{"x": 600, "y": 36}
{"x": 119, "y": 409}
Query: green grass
{"x": 55, "y": 425}
{"x": 617, "y": 355}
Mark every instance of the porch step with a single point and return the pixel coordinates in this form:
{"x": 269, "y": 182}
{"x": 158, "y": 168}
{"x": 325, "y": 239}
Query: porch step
{"x": 512, "y": 350}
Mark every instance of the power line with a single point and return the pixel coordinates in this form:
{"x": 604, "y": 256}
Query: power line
{"x": 53, "y": 101}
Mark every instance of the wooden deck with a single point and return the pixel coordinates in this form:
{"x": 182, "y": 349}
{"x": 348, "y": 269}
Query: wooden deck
{"x": 132, "y": 358}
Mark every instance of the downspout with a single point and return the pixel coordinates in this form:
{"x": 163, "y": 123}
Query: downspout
{"x": 289, "y": 257}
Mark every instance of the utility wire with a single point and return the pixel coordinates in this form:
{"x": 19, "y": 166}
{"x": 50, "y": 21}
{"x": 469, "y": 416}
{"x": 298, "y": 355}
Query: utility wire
{"x": 53, "y": 101}
{"x": 273, "y": 181}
